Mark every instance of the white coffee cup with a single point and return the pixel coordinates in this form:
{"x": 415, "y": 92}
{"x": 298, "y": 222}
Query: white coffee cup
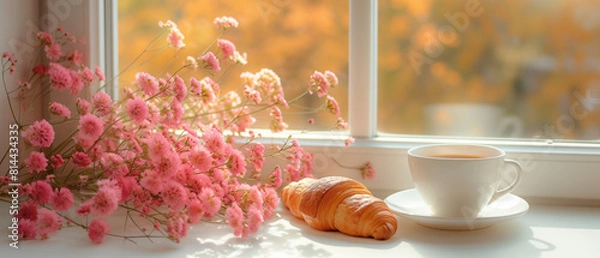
{"x": 459, "y": 180}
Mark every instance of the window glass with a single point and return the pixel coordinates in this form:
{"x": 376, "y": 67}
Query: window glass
{"x": 526, "y": 69}
{"x": 293, "y": 38}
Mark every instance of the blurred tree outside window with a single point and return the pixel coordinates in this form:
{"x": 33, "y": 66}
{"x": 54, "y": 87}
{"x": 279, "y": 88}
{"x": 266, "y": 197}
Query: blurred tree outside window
{"x": 474, "y": 68}
{"x": 293, "y": 38}
{"x": 514, "y": 68}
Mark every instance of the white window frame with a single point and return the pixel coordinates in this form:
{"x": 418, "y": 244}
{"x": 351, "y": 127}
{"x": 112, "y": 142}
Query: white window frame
{"x": 556, "y": 172}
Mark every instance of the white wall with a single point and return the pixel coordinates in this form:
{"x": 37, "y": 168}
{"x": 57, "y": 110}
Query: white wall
{"x": 18, "y": 25}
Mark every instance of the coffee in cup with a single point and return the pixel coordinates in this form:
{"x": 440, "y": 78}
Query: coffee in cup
{"x": 459, "y": 180}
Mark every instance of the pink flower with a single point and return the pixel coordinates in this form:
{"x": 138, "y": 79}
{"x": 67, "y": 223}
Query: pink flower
{"x": 255, "y": 219}
{"x": 341, "y": 123}
{"x": 235, "y": 218}
{"x": 53, "y": 51}
{"x": 45, "y": 38}
{"x": 40, "y": 69}
{"x": 80, "y": 160}
{"x": 91, "y": 126}
{"x": 311, "y": 121}
{"x": 177, "y": 227}
{"x": 97, "y": 230}
{"x": 60, "y": 110}
{"x": 157, "y": 145}
{"x": 348, "y": 141}
{"x": 257, "y": 156}
{"x": 61, "y": 199}
{"x": 137, "y": 109}
{"x": 277, "y": 124}
{"x": 274, "y": 179}
{"x": 83, "y": 106}
{"x": 227, "y": 47}
{"x": 319, "y": 82}
{"x": 191, "y": 62}
{"x": 100, "y": 74}
{"x": 271, "y": 200}
{"x": 210, "y": 61}
{"x": 332, "y": 105}
{"x": 147, "y": 83}
{"x": 48, "y": 222}
{"x": 103, "y": 103}
{"x": 39, "y": 191}
{"x": 87, "y": 75}
{"x": 56, "y": 161}
{"x": 238, "y": 164}
{"x": 195, "y": 211}
{"x": 180, "y": 89}
{"x": 367, "y": 171}
{"x": 152, "y": 182}
{"x": 28, "y": 211}
{"x": 39, "y": 134}
{"x": 166, "y": 165}
{"x": 36, "y": 162}
{"x": 174, "y": 195}
{"x": 213, "y": 141}
{"x": 60, "y": 76}
{"x": 76, "y": 57}
{"x": 106, "y": 200}
{"x": 210, "y": 203}
{"x": 331, "y": 78}
{"x": 84, "y": 209}
{"x": 27, "y": 228}
{"x": 225, "y": 22}
{"x": 77, "y": 83}
{"x": 200, "y": 158}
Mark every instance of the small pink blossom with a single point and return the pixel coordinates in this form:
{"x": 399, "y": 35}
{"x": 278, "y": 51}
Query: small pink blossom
{"x": 27, "y": 228}
{"x": 28, "y": 211}
{"x": 367, "y": 171}
{"x": 39, "y": 134}
{"x": 174, "y": 195}
{"x": 177, "y": 227}
{"x": 348, "y": 141}
{"x": 105, "y": 201}
{"x": 83, "y": 106}
{"x": 152, "y": 182}
{"x": 103, "y": 103}
{"x": 238, "y": 164}
{"x": 60, "y": 76}
{"x": 274, "y": 179}
{"x": 210, "y": 61}
{"x": 255, "y": 219}
{"x": 100, "y": 74}
{"x": 36, "y": 162}
{"x": 53, "y": 52}
{"x": 195, "y": 211}
{"x": 60, "y": 110}
{"x": 80, "y": 160}
{"x": 87, "y": 75}
{"x": 57, "y": 161}
{"x": 45, "y": 38}
{"x": 319, "y": 82}
{"x": 226, "y": 22}
{"x": 84, "y": 209}
{"x": 137, "y": 110}
{"x": 257, "y": 156}
{"x": 331, "y": 78}
{"x": 271, "y": 200}
{"x": 332, "y": 105}
{"x": 341, "y": 124}
{"x": 167, "y": 164}
{"x": 176, "y": 38}
{"x": 76, "y": 57}
{"x": 76, "y": 83}
{"x": 311, "y": 121}
{"x": 147, "y": 83}
{"x": 40, "y": 69}
{"x": 48, "y": 222}
{"x": 61, "y": 199}
{"x": 210, "y": 203}
{"x": 200, "y": 158}
{"x": 191, "y": 62}
{"x": 180, "y": 89}
{"x": 91, "y": 126}
{"x": 235, "y": 219}
{"x": 97, "y": 230}
{"x": 227, "y": 47}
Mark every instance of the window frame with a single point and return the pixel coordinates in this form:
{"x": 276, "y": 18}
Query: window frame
{"x": 559, "y": 172}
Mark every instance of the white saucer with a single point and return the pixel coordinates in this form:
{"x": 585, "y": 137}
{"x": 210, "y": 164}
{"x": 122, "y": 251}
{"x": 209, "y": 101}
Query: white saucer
{"x": 410, "y": 204}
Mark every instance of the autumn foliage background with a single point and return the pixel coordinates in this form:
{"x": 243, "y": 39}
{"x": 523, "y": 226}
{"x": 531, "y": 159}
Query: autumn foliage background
{"x": 530, "y": 58}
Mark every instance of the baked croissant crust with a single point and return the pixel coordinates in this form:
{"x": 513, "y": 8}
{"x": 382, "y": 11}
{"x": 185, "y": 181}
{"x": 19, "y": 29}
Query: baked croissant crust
{"x": 340, "y": 203}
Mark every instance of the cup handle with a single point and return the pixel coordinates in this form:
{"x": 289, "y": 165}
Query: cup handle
{"x": 508, "y": 189}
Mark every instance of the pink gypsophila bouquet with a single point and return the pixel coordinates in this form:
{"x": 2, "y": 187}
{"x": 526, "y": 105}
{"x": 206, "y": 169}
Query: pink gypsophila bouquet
{"x": 165, "y": 152}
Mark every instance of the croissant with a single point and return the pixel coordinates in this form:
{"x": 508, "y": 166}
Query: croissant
{"x": 339, "y": 203}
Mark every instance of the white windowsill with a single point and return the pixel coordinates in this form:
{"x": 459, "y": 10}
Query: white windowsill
{"x": 545, "y": 231}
